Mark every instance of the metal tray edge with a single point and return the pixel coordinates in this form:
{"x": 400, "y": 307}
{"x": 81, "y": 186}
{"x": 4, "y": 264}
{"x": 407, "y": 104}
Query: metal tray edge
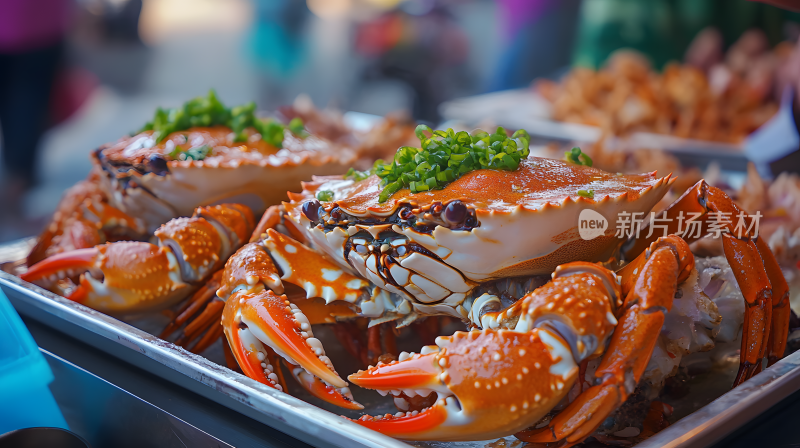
{"x": 312, "y": 424}
{"x": 721, "y": 417}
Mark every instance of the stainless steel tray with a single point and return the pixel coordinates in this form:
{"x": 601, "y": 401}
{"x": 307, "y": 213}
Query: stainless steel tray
{"x": 318, "y": 426}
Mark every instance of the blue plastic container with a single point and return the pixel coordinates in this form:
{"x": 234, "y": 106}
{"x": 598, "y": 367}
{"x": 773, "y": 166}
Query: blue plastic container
{"x": 25, "y": 399}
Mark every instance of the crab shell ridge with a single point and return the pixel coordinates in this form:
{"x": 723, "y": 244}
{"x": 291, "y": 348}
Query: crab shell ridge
{"x": 528, "y": 218}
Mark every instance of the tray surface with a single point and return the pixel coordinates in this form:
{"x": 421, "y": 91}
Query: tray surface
{"x": 318, "y": 426}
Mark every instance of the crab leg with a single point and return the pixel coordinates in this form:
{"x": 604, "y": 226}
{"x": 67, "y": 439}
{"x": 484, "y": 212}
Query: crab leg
{"x": 204, "y": 308}
{"x": 111, "y": 219}
{"x": 648, "y": 299}
{"x": 200, "y": 299}
{"x": 781, "y": 313}
{"x": 748, "y": 268}
{"x": 256, "y": 316}
{"x": 254, "y": 321}
{"x": 757, "y": 272}
{"x": 502, "y": 379}
{"x": 82, "y": 220}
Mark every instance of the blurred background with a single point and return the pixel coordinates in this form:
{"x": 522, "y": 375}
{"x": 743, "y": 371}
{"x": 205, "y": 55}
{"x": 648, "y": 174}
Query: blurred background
{"x": 99, "y": 68}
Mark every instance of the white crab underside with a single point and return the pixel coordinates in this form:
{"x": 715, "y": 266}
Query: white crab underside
{"x": 188, "y": 186}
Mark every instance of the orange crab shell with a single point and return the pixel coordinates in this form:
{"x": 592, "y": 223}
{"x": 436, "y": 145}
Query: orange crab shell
{"x": 137, "y": 275}
{"x": 537, "y": 184}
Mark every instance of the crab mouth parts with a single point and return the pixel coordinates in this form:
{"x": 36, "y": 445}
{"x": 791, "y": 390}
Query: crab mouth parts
{"x": 397, "y": 265}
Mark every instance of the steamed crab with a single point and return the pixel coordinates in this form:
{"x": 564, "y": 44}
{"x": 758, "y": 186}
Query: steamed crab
{"x": 200, "y": 154}
{"x": 131, "y": 277}
{"x": 501, "y": 251}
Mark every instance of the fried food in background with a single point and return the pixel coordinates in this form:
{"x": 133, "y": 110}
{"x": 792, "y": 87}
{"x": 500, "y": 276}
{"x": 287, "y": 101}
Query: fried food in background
{"x": 712, "y": 96}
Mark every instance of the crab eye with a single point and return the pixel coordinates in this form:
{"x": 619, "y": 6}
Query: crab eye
{"x": 311, "y": 210}
{"x": 157, "y": 164}
{"x": 405, "y": 213}
{"x": 455, "y": 212}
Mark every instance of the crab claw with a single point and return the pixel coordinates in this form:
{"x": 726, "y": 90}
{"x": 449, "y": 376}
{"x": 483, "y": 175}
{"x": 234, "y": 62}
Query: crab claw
{"x": 122, "y": 277}
{"x": 257, "y": 316}
{"x": 413, "y": 372}
{"x": 340, "y": 397}
{"x": 57, "y": 267}
{"x": 489, "y": 383}
{"x": 104, "y": 216}
{"x": 135, "y": 277}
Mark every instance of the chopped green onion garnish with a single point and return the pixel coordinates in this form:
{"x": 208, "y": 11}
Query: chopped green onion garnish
{"x": 586, "y": 193}
{"x": 197, "y": 153}
{"x": 445, "y": 156}
{"x": 297, "y": 128}
{"x": 577, "y": 157}
{"x": 209, "y": 111}
{"x": 357, "y": 175}
{"x": 325, "y": 195}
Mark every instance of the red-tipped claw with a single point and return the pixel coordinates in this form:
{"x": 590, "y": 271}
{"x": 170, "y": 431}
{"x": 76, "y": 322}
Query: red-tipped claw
{"x": 135, "y": 277}
{"x": 59, "y": 266}
{"x": 337, "y": 396}
{"x": 251, "y": 355}
{"x": 489, "y": 384}
{"x": 259, "y": 316}
{"x": 496, "y": 382}
{"x": 414, "y": 372}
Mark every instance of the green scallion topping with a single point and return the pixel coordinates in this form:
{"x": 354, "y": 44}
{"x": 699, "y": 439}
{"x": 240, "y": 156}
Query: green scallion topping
{"x": 297, "y": 128}
{"x": 356, "y": 175}
{"x": 586, "y": 193}
{"x": 209, "y": 111}
{"x": 196, "y": 153}
{"x": 325, "y": 195}
{"x": 577, "y": 157}
{"x": 445, "y": 156}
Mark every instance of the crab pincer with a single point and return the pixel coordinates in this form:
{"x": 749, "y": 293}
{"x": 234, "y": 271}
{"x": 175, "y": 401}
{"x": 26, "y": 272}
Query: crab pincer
{"x": 257, "y": 319}
{"x": 135, "y": 277}
{"x": 500, "y": 380}
{"x": 117, "y": 278}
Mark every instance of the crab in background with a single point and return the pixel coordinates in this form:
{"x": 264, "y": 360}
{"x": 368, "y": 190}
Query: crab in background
{"x": 199, "y": 154}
